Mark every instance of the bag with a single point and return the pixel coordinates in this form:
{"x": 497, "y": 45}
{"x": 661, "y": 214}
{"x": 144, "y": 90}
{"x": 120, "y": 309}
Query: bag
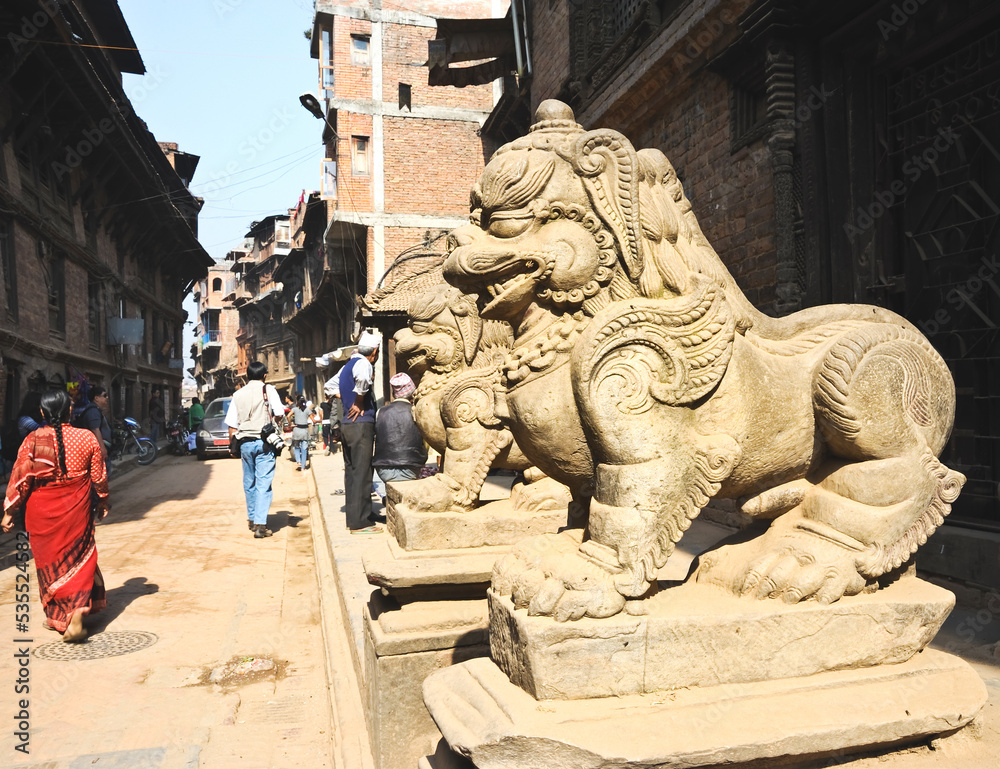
{"x": 234, "y": 446}
{"x": 336, "y": 434}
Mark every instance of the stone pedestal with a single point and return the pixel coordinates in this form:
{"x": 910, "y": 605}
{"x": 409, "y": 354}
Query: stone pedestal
{"x": 696, "y": 635}
{"x": 404, "y": 643}
{"x": 702, "y": 678}
{"x": 432, "y": 611}
{"x": 498, "y": 725}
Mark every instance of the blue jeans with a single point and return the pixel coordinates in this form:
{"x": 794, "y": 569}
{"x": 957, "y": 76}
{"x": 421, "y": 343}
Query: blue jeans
{"x": 258, "y": 473}
{"x": 301, "y": 452}
{"x": 388, "y": 474}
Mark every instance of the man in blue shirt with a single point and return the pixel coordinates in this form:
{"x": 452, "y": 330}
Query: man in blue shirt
{"x": 358, "y": 433}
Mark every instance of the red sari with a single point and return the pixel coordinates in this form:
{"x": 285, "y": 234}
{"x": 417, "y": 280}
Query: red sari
{"x": 59, "y": 518}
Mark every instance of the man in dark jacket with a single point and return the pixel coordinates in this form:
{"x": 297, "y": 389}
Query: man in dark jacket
{"x": 400, "y": 451}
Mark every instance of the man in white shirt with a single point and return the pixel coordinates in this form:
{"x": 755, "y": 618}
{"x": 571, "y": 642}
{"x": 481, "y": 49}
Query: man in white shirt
{"x": 253, "y": 406}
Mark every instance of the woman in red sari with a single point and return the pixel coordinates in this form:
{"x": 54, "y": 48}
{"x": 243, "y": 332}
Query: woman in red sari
{"x": 60, "y": 478}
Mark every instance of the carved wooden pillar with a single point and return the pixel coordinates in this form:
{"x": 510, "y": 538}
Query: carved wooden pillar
{"x": 780, "y": 90}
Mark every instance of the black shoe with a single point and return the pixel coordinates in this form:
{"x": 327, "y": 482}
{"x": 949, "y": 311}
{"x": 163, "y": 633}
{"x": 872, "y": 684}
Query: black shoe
{"x": 260, "y": 531}
{"x": 250, "y": 524}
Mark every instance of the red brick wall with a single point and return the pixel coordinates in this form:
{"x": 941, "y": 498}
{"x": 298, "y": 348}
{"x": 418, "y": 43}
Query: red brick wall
{"x": 430, "y": 165}
{"x": 404, "y": 46}
{"x": 32, "y": 294}
{"x": 354, "y": 193}
{"x": 351, "y": 81}
{"x": 398, "y": 239}
{"x": 550, "y": 48}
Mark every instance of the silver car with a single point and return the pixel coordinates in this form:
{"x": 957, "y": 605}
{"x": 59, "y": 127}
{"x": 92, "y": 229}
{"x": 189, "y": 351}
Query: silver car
{"x": 213, "y": 434}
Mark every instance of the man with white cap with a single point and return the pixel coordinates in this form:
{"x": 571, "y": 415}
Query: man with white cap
{"x": 400, "y": 451}
{"x": 358, "y": 433}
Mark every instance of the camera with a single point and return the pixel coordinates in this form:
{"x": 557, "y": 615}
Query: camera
{"x": 273, "y": 441}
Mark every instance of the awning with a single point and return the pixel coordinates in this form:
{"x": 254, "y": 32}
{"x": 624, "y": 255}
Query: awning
{"x": 492, "y": 42}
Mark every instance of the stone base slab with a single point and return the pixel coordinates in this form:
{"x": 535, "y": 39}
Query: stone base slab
{"x": 498, "y": 725}
{"x": 491, "y": 525}
{"x": 433, "y": 574}
{"x": 697, "y": 635}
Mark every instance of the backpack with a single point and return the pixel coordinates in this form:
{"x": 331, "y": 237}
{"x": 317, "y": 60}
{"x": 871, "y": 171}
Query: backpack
{"x": 11, "y": 439}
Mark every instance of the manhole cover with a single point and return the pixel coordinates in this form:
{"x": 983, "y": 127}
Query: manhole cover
{"x": 97, "y": 646}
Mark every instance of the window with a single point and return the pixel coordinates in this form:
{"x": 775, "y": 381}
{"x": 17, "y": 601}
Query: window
{"x": 56, "y": 268}
{"x": 329, "y": 187}
{"x": 8, "y": 268}
{"x": 359, "y": 156}
{"x": 282, "y": 239}
{"x": 326, "y": 63}
{"x": 216, "y": 285}
{"x": 94, "y": 302}
{"x": 404, "y": 97}
{"x": 359, "y": 50}
{"x": 748, "y": 115}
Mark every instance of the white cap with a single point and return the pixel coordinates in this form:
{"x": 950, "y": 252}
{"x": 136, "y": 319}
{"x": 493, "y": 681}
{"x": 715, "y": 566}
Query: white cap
{"x": 370, "y": 339}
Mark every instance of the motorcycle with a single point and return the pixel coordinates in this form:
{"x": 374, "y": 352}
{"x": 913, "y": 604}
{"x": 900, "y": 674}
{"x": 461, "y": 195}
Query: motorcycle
{"x": 178, "y": 437}
{"x": 126, "y": 438}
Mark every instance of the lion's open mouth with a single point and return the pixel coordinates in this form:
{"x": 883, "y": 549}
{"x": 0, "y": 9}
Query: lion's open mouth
{"x": 501, "y": 292}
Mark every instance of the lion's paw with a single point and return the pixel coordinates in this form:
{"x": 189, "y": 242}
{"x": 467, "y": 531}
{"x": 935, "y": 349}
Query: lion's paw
{"x": 793, "y": 566}
{"x": 549, "y": 576}
{"x": 436, "y": 494}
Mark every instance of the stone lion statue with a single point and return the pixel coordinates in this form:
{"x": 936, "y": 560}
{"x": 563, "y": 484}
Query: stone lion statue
{"x": 643, "y": 379}
{"x": 457, "y": 358}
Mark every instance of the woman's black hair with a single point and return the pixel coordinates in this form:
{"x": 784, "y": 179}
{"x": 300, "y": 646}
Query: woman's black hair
{"x": 31, "y": 406}
{"x": 302, "y": 401}
{"x": 55, "y": 408}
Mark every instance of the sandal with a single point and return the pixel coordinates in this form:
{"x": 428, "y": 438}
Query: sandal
{"x": 368, "y": 530}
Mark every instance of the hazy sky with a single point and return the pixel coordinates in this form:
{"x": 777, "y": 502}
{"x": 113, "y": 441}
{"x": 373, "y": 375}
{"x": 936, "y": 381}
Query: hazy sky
{"x": 223, "y": 81}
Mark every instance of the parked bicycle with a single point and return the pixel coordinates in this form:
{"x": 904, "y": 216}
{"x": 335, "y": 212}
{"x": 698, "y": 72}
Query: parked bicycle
{"x": 127, "y": 438}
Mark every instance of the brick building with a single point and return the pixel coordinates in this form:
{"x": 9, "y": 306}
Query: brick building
{"x": 400, "y": 155}
{"x": 214, "y": 349}
{"x": 98, "y": 230}
{"x": 258, "y": 296}
{"x": 319, "y": 286}
{"x": 833, "y": 152}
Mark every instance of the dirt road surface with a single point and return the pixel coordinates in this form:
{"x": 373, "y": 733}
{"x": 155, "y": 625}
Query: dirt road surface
{"x": 227, "y": 665}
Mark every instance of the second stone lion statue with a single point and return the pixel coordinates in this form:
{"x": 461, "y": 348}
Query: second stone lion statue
{"x": 457, "y": 358}
{"x": 642, "y": 377}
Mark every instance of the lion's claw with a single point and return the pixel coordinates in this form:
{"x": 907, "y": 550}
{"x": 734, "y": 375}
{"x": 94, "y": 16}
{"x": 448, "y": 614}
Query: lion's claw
{"x": 550, "y": 577}
{"x": 792, "y": 566}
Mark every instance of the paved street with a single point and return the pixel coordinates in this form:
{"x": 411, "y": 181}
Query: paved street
{"x": 183, "y": 573}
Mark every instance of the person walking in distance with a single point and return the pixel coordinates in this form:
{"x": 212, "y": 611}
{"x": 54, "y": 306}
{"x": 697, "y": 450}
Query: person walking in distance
{"x": 195, "y": 415}
{"x": 330, "y": 419}
{"x": 252, "y": 408}
{"x": 400, "y": 451}
{"x": 301, "y": 422}
{"x": 358, "y": 433}
{"x": 91, "y": 415}
{"x": 156, "y": 415}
